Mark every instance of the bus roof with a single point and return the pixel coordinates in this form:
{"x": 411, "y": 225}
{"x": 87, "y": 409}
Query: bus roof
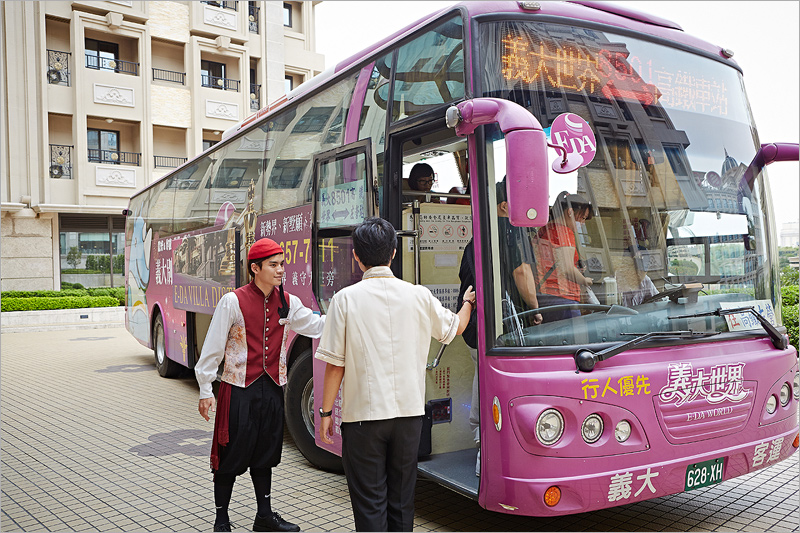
{"x": 584, "y": 10}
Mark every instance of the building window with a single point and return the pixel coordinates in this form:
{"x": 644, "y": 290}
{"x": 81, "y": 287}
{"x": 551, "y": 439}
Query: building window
{"x": 288, "y": 84}
{"x": 314, "y": 120}
{"x": 287, "y": 14}
{"x": 212, "y": 74}
{"x": 92, "y": 250}
{"x": 101, "y": 54}
{"x": 103, "y": 146}
{"x": 208, "y": 144}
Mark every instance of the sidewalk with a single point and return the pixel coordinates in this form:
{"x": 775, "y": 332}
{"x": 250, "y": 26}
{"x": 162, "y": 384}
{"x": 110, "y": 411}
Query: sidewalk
{"x": 61, "y": 319}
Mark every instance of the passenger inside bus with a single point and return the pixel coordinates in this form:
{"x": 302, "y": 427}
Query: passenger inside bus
{"x": 421, "y": 179}
{"x": 560, "y": 281}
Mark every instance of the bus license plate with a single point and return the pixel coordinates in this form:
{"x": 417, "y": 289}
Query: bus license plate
{"x": 704, "y": 474}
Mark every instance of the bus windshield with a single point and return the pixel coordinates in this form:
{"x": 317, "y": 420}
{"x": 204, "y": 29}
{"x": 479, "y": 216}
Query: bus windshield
{"x": 663, "y": 221}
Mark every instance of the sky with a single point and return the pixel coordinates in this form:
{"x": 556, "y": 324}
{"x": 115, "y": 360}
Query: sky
{"x": 764, "y": 37}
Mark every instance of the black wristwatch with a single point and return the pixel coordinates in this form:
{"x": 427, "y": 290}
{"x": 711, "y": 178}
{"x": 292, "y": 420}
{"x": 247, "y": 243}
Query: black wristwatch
{"x": 324, "y": 414}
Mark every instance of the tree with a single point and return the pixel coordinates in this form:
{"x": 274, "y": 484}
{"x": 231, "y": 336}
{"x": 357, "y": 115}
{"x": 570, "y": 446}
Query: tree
{"x": 74, "y": 256}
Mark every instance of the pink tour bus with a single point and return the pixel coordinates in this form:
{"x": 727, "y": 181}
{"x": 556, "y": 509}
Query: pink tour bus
{"x": 674, "y": 374}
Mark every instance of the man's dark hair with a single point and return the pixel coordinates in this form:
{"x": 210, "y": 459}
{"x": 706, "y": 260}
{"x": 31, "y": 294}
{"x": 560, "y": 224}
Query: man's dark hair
{"x": 500, "y": 191}
{"x": 420, "y": 170}
{"x": 374, "y": 241}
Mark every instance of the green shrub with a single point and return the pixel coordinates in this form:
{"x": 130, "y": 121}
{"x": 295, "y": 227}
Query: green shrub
{"x": 116, "y": 292}
{"x": 790, "y": 276}
{"x": 67, "y": 302}
{"x": 789, "y": 295}
{"x": 46, "y": 294}
{"x": 790, "y": 321}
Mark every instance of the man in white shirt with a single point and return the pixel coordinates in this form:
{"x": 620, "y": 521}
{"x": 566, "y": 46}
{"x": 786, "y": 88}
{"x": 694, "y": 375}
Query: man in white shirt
{"x": 249, "y": 329}
{"x": 376, "y": 340}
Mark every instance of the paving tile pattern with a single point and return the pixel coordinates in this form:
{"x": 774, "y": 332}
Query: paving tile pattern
{"x": 94, "y": 440}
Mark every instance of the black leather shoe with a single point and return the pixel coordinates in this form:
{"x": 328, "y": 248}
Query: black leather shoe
{"x": 273, "y": 522}
{"x": 227, "y": 526}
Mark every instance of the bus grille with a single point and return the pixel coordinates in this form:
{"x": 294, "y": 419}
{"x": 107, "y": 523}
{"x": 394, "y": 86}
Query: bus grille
{"x": 699, "y": 419}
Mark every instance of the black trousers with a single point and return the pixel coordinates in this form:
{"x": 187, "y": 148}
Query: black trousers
{"x": 380, "y": 462}
{"x": 255, "y": 428}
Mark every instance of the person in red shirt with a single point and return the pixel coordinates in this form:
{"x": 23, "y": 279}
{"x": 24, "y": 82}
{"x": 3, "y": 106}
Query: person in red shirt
{"x": 560, "y": 278}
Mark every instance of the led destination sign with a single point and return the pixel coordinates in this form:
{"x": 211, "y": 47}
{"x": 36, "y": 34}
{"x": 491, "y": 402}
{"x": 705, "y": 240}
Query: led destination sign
{"x": 610, "y": 70}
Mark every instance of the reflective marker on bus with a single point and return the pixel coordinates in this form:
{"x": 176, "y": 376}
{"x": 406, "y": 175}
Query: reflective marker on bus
{"x": 671, "y": 374}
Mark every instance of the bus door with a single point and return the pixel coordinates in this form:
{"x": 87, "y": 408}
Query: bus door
{"x": 434, "y": 218}
{"x": 344, "y": 196}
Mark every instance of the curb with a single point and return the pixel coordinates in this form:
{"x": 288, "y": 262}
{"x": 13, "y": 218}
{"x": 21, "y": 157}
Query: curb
{"x": 60, "y": 319}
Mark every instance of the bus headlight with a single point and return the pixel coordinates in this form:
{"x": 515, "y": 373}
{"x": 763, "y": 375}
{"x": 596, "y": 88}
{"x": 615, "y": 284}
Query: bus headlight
{"x": 797, "y": 385}
{"x": 786, "y": 394}
{"x": 549, "y": 427}
{"x": 592, "y": 428}
{"x": 622, "y": 431}
{"x": 772, "y": 404}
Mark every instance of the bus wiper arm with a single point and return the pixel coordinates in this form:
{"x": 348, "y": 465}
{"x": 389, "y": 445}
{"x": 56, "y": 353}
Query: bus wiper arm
{"x": 778, "y": 341}
{"x": 585, "y": 360}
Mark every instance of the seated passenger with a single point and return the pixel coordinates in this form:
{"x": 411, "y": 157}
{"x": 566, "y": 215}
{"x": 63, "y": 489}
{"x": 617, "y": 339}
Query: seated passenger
{"x": 560, "y": 279}
{"x": 421, "y": 179}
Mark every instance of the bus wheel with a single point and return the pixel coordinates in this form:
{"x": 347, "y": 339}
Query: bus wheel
{"x": 300, "y": 414}
{"x": 167, "y": 368}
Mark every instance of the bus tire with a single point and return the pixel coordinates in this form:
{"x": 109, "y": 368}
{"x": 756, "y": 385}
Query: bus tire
{"x": 167, "y": 368}
{"x": 299, "y": 398}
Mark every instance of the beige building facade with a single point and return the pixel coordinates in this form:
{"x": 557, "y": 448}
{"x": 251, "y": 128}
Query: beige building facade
{"x": 101, "y": 99}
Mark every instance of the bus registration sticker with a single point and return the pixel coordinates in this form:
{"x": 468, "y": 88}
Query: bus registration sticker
{"x": 704, "y": 474}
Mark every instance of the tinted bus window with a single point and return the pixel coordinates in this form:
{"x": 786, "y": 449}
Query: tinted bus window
{"x": 295, "y": 136}
{"x": 429, "y": 71}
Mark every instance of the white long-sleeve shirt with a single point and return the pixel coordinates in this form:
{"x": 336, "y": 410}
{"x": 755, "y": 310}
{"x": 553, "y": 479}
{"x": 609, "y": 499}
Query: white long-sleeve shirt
{"x": 226, "y": 339}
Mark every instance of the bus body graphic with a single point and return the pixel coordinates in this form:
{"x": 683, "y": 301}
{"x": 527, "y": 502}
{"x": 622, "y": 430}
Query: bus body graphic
{"x": 570, "y": 147}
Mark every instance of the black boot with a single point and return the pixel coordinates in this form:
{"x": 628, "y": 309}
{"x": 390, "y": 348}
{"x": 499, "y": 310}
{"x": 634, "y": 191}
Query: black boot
{"x": 273, "y": 522}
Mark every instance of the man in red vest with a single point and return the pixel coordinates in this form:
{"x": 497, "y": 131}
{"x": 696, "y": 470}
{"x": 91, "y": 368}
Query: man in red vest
{"x": 249, "y": 330}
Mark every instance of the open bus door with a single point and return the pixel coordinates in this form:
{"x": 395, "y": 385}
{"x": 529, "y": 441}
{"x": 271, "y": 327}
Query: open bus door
{"x": 344, "y": 196}
{"x": 435, "y": 227}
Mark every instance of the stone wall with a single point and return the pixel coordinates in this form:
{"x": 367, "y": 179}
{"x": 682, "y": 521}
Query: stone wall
{"x": 26, "y": 252}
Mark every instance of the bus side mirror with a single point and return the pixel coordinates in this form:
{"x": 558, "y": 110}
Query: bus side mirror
{"x": 527, "y": 168}
{"x": 770, "y": 153}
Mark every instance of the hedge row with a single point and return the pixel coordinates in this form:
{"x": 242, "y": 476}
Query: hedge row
{"x": 790, "y": 321}
{"x": 38, "y": 303}
{"x": 789, "y": 295}
{"x": 118, "y": 293}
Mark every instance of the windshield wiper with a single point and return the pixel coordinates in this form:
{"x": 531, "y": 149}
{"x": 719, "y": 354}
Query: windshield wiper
{"x": 585, "y": 359}
{"x": 778, "y": 341}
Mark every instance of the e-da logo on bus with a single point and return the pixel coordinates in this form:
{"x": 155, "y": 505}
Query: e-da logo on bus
{"x": 573, "y": 134}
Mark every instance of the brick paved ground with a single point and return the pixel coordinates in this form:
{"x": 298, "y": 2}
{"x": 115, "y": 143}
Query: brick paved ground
{"x": 94, "y": 440}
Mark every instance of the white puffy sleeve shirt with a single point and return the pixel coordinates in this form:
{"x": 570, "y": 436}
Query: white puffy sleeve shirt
{"x": 379, "y": 329}
{"x": 301, "y": 320}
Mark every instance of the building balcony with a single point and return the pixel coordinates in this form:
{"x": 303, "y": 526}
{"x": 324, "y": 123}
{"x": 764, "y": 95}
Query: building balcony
{"x": 213, "y": 82}
{"x": 169, "y": 75}
{"x": 232, "y": 5}
{"x": 58, "y": 67}
{"x": 60, "y": 161}
{"x": 166, "y": 161}
{"x": 253, "y": 18}
{"x": 114, "y": 157}
{"x": 115, "y": 65}
{"x": 255, "y": 97}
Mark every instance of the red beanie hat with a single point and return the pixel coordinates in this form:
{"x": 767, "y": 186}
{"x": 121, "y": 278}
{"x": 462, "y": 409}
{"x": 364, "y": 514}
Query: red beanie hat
{"x": 263, "y": 248}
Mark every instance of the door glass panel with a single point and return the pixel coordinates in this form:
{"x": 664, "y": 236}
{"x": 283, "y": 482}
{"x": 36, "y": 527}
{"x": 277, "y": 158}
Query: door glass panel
{"x": 341, "y": 204}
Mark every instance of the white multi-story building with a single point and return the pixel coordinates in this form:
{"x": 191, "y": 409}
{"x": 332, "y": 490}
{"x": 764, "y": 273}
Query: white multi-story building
{"x": 103, "y": 98}
{"x": 790, "y": 234}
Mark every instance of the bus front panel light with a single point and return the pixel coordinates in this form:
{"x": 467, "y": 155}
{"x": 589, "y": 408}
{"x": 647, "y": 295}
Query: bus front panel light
{"x": 549, "y": 427}
{"x": 786, "y": 394}
{"x": 622, "y": 431}
{"x": 772, "y": 404}
{"x": 592, "y": 428}
{"x": 797, "y": 385}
